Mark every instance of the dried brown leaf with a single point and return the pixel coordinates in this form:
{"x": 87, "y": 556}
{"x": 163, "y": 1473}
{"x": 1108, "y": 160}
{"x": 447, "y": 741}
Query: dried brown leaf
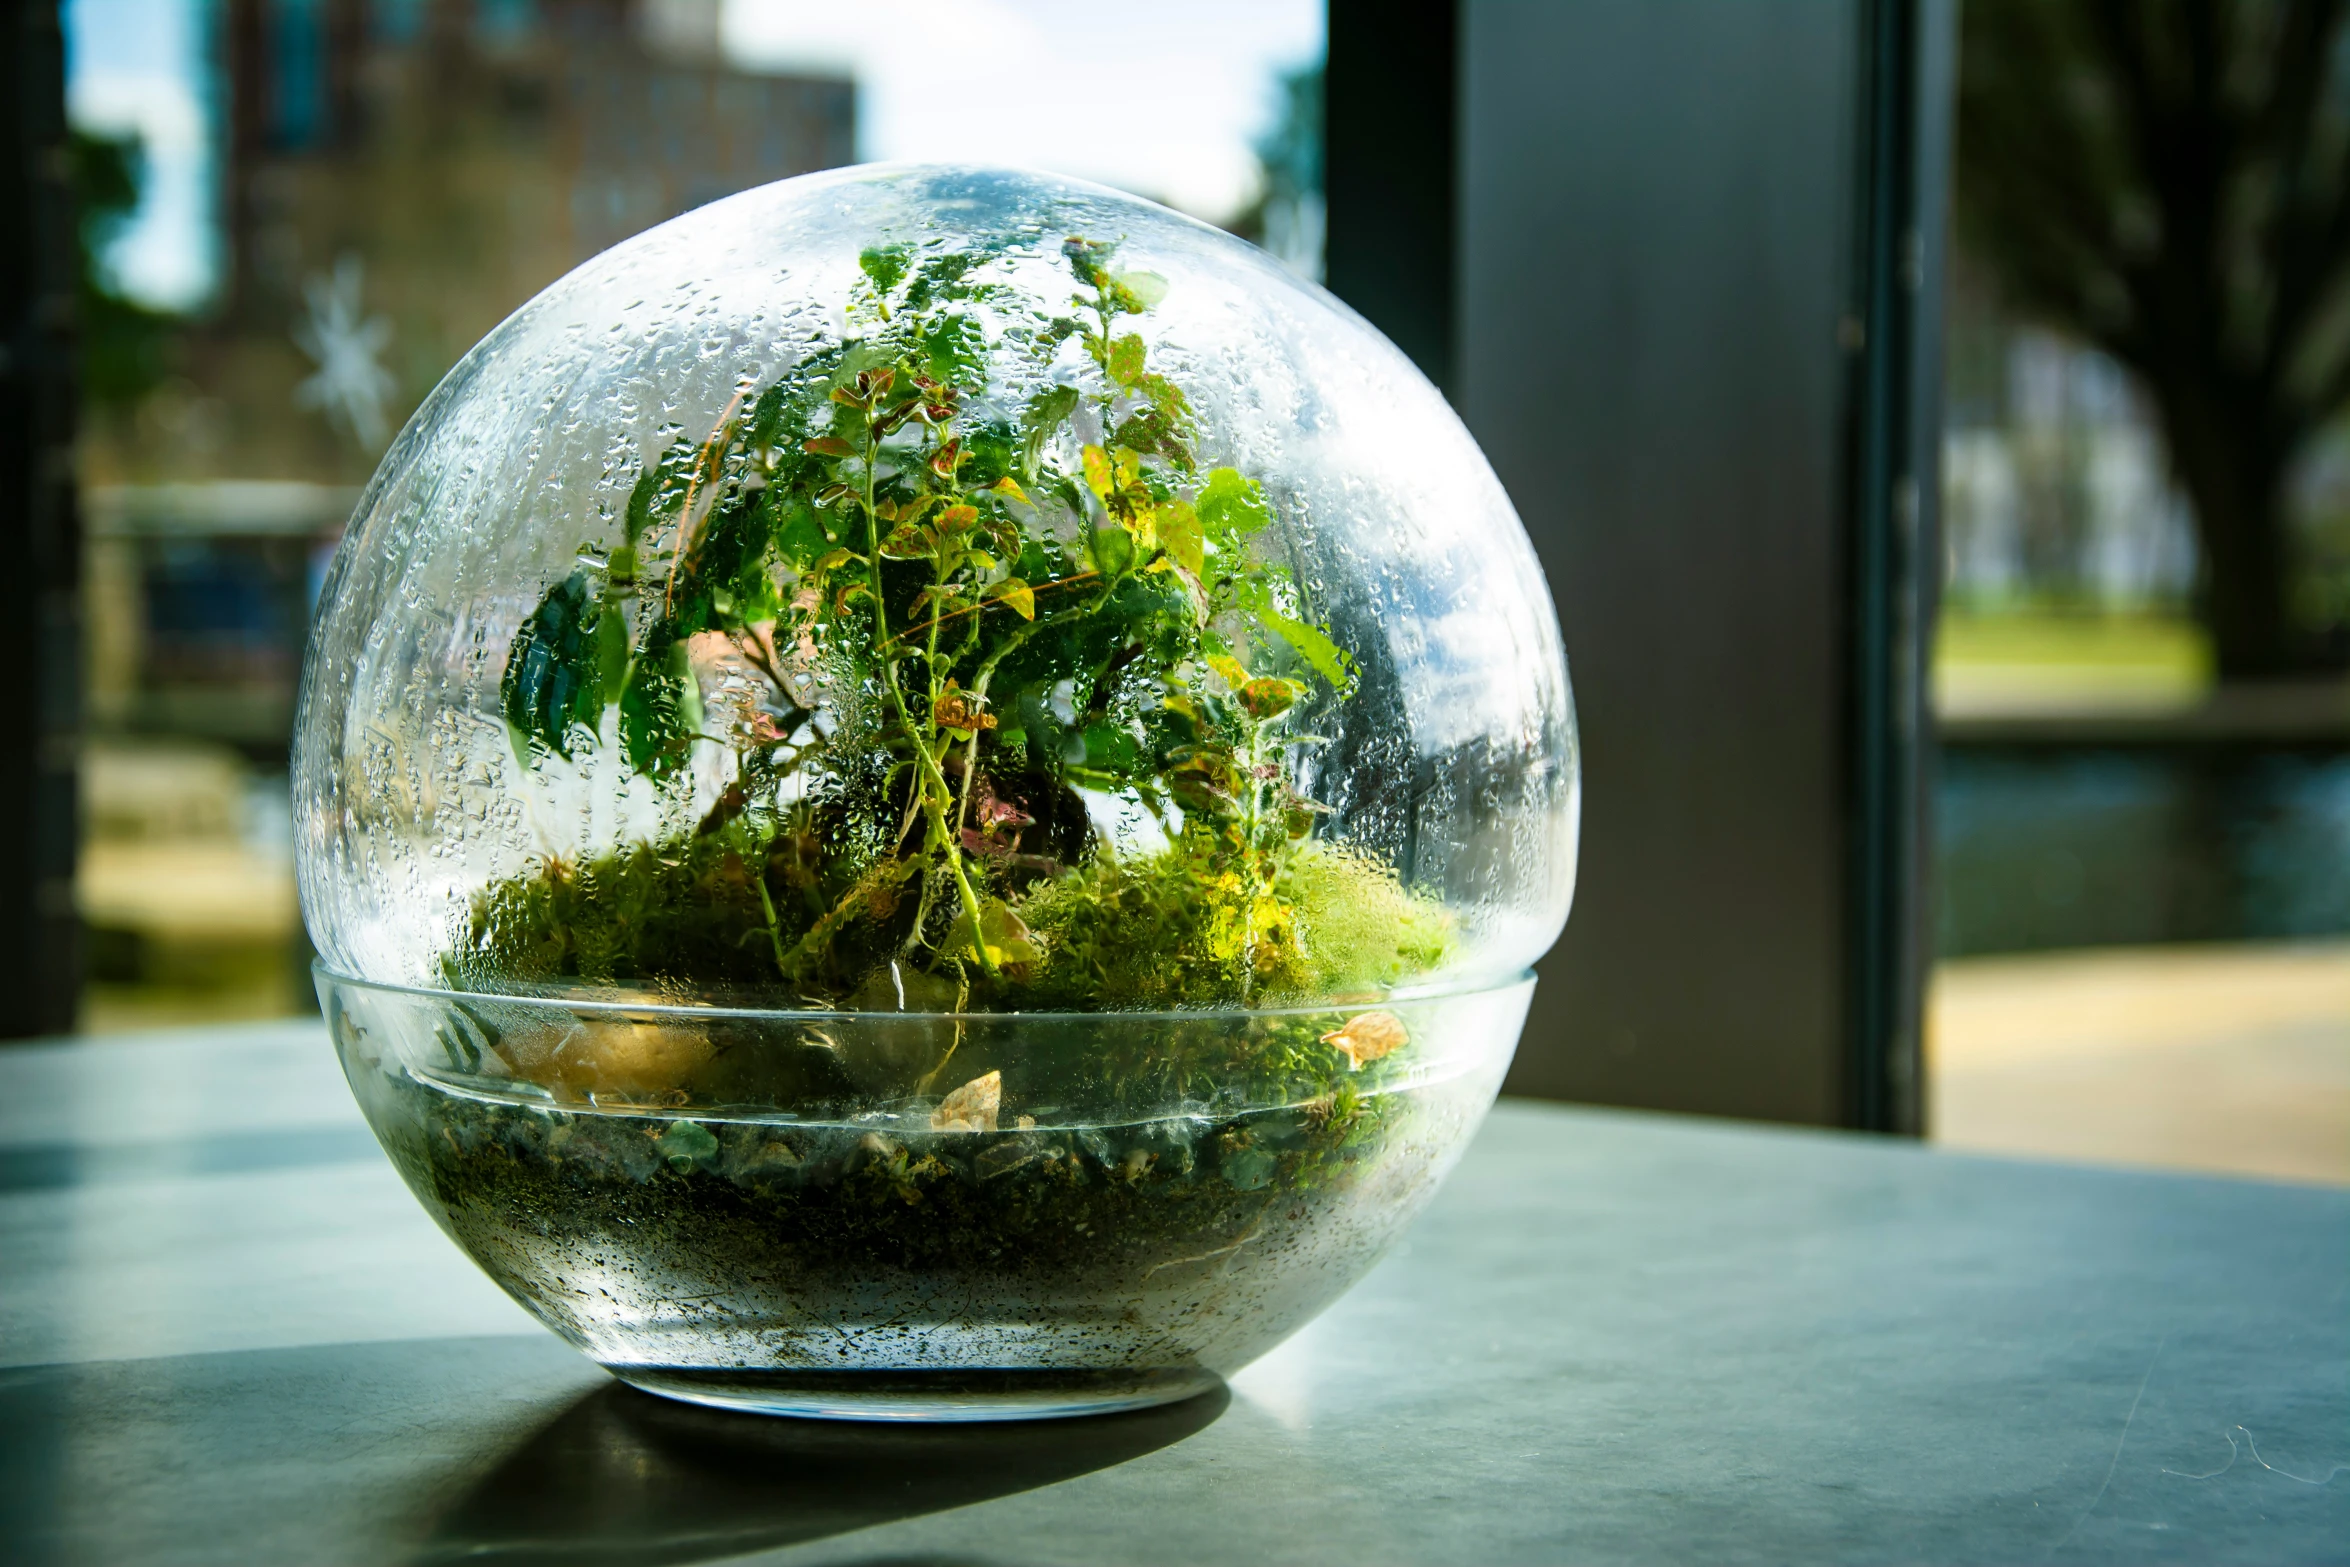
{"x": 1366, "y": 1037}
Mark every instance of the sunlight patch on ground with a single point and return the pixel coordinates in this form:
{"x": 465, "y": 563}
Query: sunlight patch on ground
{"x": 2232, "y": 1059}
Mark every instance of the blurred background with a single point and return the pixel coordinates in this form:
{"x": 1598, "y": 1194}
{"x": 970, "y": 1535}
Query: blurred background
{"x": 2143, "y": 808}
{"x": 297, "y": 214}
{"x": 2133, "y": 882}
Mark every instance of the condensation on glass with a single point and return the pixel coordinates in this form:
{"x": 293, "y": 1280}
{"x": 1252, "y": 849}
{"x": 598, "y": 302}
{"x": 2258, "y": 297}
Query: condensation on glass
{"x": 582, "y": 1146}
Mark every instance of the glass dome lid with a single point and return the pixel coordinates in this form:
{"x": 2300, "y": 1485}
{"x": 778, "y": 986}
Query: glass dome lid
{"x": 919, "y": 588}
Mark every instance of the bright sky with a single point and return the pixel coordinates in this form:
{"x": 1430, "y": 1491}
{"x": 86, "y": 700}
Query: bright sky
{"x": 138, "y": 66}
{"x": 1163, "y": 99}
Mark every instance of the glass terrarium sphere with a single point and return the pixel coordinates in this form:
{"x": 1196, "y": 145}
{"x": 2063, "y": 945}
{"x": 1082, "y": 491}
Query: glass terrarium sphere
{"x": 904, "y": 757}
{"x": 1434, "y": 731}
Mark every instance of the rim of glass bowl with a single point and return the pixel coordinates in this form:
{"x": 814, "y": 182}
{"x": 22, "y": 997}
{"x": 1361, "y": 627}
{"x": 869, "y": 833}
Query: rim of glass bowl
{"x": 573, "y": 1001}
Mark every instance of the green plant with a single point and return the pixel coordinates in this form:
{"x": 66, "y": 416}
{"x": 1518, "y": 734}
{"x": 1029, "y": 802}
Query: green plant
{"x": 929, "y": 615}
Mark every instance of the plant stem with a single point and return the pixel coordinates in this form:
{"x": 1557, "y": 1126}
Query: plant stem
{"x": 934, "y": 777}
{"x": 767, "y": 906}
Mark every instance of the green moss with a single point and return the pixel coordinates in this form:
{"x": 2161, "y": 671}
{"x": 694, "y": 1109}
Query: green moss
{"x": 1171, "y": 929}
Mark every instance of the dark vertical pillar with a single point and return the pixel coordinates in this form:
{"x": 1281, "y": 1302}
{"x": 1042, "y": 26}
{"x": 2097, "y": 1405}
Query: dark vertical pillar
{"x": 1893, "y": 446}
{"x": 244, "y": 47}
{"x": 1708, "y": 236}
{"x": 1389, "y": 171}
{"x": 40, "y": 629}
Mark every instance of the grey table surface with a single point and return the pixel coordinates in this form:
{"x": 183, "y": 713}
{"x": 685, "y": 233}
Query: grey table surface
{"x": 227, "y": 1334}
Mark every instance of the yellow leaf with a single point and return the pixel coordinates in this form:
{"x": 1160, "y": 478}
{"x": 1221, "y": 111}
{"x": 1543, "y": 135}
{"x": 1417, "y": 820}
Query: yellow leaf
{"x": 1181, "y": 538}
{"x": 1018, "y": 594}
{"x": 1234, "y": 676}
{"x": 1009, "y": 486}
{"x": 1098, "y": 475}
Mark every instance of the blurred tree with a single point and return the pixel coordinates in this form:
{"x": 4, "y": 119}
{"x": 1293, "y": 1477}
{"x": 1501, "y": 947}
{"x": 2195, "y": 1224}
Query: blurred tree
{"x": 1291, "y": 156}
{"x": 2168, "y": 180}
{"x": 1286, "y": 217}
{"x": 126, "y": 347}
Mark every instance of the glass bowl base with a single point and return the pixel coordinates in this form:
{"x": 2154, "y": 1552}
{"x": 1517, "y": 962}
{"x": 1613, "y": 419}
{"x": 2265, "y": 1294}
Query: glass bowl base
{"x": 965, "y": 1395}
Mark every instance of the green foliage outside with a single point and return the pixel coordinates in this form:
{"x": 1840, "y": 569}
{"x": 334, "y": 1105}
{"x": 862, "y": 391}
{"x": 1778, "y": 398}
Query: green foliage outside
{"x": 2170, "y": 182}
{"x": 126, "y": 347}
{"x": 2017, "y": 658}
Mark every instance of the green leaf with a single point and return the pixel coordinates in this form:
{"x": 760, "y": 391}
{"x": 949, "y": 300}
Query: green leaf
{"x": 729, "y": 555}
{"x": 1232, "y": 506}
{"x": 1100, "y": 476}
{"x": 1155, "y": 430}
{"x": 661, "y": 489}
{"x": 1086, "y": 259}
{"x": 991, "y": 450}
{"x": 661, "y": 706}
{"x": 1110, "y": 749}
{"x": 953, "y": 350}
{"x": 554, "y": 675}
{"x": 768, "y": 414}
{"x": 800, "y": 534}
{"x": 1148, "y": 288}
{"x": 908, "y": 542}
{"x": 1332, "y": 662}
{"x": 941, "y": 277}
{"x": 1125, "y": 359}
{"x": 1113, "y": 550}
{"x": 885, "y": 265}
{"x": 1005, "y": 934}
{"x": 1165, "y": 394}
{"x": 1047, "y": 411}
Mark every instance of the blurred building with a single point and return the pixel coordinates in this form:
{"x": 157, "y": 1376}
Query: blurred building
{"x": 396, "y": 177}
